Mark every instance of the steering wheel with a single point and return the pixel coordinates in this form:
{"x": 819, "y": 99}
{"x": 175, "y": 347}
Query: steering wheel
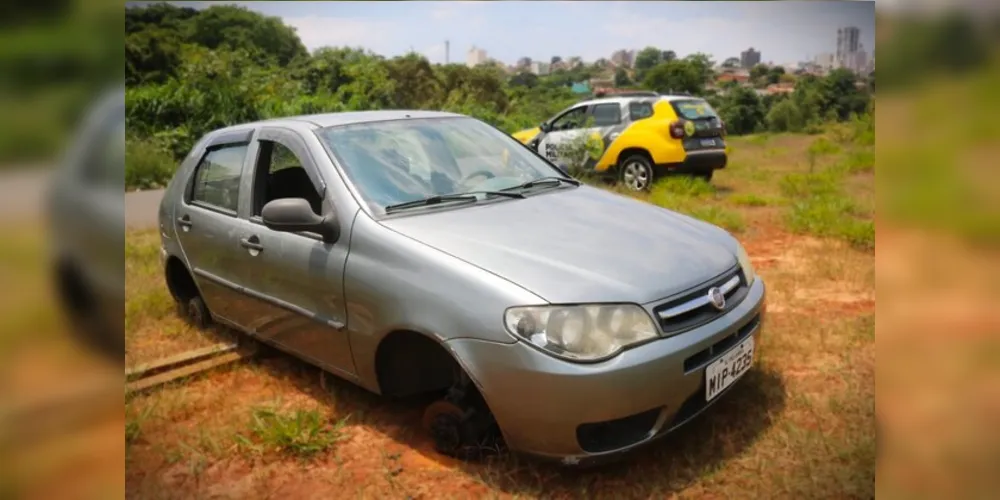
{"x": 478, "y": 173}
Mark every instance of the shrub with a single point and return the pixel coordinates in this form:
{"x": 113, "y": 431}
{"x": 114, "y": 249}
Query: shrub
{"x": 147, "y": 164}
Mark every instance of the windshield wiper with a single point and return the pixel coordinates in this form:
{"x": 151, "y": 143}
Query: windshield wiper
{"x": 445, "y": 198}
{"x": 543, "y": 181}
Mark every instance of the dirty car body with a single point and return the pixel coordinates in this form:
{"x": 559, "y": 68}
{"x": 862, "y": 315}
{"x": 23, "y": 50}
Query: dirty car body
{"x": 414, "y": 251}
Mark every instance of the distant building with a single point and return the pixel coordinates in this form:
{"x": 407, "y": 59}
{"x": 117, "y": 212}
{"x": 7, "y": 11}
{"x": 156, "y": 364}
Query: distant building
{"x": 476, "y": 57}
{"x": 574, "y": 61}
{"x": 824, "y": 62}
{"x": 540, "y": 68}
{"x": 623, "y": 58}
{"x": 848, "y": 44}
{"x": 749, "y": 58}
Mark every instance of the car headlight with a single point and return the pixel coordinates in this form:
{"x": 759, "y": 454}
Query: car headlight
{"x": 745, "y": 264}
{"x": 584, "y": 332}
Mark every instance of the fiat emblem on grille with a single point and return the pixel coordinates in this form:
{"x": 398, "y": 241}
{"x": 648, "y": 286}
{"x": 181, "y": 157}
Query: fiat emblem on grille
{"x": 717, "y": 298}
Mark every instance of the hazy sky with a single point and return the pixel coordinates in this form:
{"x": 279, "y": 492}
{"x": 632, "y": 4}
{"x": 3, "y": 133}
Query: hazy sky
{"x": 783, "y": 31}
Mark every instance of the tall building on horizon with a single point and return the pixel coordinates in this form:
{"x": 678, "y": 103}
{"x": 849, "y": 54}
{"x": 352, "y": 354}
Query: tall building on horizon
{"x": 848, "y": 47}
{"x": 476, "y": 57}
{"x": 749, "y": 58}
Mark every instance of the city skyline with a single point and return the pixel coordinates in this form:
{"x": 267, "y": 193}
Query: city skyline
{"x": 781, "y": 31}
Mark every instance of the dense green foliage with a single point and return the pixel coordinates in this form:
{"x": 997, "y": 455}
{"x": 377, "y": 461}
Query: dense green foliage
{"x": 55, "y": 56}
{"x": 190, "y": 71}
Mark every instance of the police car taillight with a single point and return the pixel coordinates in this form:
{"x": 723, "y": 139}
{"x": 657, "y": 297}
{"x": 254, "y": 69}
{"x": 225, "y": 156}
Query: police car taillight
{"x": 677, "y": 129}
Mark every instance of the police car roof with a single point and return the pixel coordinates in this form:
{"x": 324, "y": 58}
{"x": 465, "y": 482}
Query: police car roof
{"x": 625, "y": 99}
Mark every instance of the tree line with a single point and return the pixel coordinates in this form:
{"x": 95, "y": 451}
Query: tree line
{"x": 190, "y": 71}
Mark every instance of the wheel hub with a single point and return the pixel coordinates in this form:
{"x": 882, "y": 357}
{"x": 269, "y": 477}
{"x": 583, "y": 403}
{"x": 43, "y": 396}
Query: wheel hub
{"x": 446, "y": 431}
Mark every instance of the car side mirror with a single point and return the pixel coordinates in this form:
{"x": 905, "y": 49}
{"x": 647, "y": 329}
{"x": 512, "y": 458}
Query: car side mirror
{"x": 545, "y": 127}
{"x": 292, "y": 215}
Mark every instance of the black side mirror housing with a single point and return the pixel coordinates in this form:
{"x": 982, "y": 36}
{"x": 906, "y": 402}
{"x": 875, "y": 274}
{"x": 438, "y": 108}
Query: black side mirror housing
{"x": 545, "y": 127}
{"x": 564, "y": 168}
{"x": 292, "y": 215}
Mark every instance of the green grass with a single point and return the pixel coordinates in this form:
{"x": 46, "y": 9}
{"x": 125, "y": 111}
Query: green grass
{"x": 722, "y": 217}
{"x": 819, "y": 206}
{"x": 301, "y": 433}
{"x": 752, "y": 200}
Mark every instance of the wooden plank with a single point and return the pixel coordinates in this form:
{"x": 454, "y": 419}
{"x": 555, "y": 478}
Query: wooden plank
{"x": 182, "y": 358}
{"x": 186, "y": 371}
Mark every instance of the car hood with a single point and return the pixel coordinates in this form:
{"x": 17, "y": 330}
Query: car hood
{"x": 525, "y": 136}
{"x": 579, "y": 245}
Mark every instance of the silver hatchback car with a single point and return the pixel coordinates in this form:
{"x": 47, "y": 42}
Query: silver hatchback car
{"x": 416, "y": 252}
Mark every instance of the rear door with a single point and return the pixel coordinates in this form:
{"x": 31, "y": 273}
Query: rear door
{"x": 609, "y": 121}
{"x": 207, "y": 226}
{"x": 706, "y": 129}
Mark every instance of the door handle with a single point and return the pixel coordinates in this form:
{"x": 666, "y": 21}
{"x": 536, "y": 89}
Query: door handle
{"x": 252, "y": 243}
{"x": 185, "y": 221}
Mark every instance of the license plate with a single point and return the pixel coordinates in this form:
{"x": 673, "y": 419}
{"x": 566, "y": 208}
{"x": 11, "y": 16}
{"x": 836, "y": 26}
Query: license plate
{"x": 707, "y": 143}
{"x": 728, "y": 369}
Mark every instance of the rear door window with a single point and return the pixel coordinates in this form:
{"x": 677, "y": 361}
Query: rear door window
{"x": 607, "y": 114}
{"x": 217, "y": 178}
{"x": 694, "y": 109}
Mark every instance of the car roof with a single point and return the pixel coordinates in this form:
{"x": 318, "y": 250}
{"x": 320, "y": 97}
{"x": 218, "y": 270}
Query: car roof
{"x": 323, "y": 120}
{"x": 627, "y": 99}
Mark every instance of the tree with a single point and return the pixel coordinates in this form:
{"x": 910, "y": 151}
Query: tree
{"x": 774, "y": 74}
{"x": 239, "y": 28}
{"x": 668, "y": 55}
{"x": 742, "y": 111}
{"x": 703, "y": 64}
{"x": 416, "y": 84}
{"x": 555, "y": 60}
{"x": 758, "y": 72}
{"x": 524, "y": 62}
{"x": 646, "y": 60}
{"x": 524, "y": 79}
{"x": 621, "y": 78}
{"x": 675, "y": 76}
{"x": 732, "y": 62}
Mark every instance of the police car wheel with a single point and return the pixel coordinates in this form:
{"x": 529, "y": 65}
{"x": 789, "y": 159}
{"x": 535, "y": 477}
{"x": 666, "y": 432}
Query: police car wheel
{"x": 636, "y": 173}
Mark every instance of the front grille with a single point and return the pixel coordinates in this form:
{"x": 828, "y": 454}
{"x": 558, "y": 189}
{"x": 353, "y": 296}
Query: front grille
{"x": 693, "y": 309}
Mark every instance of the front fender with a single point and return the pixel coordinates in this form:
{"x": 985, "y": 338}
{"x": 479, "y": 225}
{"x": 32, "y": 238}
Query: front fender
{"x": 393, "y": 283}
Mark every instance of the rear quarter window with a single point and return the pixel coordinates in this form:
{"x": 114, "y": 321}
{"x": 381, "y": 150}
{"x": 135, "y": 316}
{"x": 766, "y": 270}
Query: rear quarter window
{"x": 640, "y": 110}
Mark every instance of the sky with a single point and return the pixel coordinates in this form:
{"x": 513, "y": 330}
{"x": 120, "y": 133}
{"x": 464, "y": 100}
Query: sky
{"x": 784, "y": 32}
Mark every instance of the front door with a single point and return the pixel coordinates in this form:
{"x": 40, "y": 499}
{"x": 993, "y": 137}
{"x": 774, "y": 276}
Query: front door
{"x": 207, "y": 227}
{"x": 296, "y": 278}
{"x": 566, "y": 137}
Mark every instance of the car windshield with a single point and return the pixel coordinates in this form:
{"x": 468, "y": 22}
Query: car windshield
{"x": 694, "y": 109}
{"x": 399, "y": 161}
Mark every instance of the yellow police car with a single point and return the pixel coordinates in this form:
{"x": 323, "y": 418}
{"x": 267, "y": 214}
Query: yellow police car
{"x": 635, "y": 137}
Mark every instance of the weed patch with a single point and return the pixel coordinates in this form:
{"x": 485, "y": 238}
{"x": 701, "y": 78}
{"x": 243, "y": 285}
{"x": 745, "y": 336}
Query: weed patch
{"x": 302, "y": 433}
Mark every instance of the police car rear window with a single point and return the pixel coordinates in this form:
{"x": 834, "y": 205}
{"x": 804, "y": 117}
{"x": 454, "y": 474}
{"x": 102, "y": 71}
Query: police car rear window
{"x": 693, "y": 109}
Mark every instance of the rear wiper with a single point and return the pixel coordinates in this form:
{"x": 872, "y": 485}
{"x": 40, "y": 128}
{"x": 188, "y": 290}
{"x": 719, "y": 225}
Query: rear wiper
{"x": 445, "y": 198}
{"x": 553, "y": 180}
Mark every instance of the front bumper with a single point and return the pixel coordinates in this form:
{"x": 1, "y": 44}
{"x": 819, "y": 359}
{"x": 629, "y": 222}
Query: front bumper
{"x": 579, "y": 413}
{"x": 697, "y": 162}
